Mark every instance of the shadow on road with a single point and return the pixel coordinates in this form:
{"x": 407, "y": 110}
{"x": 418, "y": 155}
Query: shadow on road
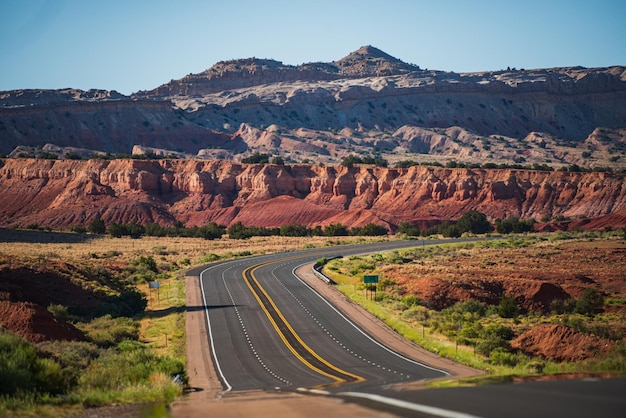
{"x": 175, "y": 309}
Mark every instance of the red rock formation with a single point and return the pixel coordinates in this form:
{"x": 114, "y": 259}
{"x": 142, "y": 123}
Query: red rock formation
{"x": 62, "y": 193}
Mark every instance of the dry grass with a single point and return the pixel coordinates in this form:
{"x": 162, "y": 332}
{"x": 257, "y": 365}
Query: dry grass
{"x": 166, "y": 249}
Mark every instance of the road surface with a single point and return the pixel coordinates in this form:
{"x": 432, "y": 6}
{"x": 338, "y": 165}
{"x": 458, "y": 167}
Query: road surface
{"x": 268, "y": 330}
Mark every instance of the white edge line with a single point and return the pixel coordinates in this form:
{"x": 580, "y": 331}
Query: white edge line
{"x": 432, "y": 410}
{"x": 293, "y": 271}
{"x": 208, "y": 320}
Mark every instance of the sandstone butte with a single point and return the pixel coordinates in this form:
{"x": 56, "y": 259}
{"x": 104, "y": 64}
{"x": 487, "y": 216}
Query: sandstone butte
{"x": 61, "y": 193}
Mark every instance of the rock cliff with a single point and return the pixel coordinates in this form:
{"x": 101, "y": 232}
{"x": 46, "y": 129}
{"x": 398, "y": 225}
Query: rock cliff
{"x": 63, "y": 193}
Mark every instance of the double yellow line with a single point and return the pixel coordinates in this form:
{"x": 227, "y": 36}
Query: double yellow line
{"x": 289, "y": 337}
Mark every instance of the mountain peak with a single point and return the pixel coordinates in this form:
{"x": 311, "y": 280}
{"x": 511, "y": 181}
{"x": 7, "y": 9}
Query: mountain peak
{"x": 371, "y": 61}
{"x": 370, "y": 51}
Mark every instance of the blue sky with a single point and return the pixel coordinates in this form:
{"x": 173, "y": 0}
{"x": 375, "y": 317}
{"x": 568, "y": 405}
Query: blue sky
{"x": 133, "y": 45}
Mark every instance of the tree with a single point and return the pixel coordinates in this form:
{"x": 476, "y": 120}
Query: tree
{"x": 474, "y": 222}
{"x": 256, "y": 158}
{"x": 238, "y": 231}
{"x": 408, "y": 229}
{"x": 278, "y": 161}
{"x": 514, "y": 224}
{"x": 335, "y": 230}
{"x": 294, "y": 230}
{"x": 372, "y": 229}
{"x": 96, "y": 226}
{"x": 211, "y": 231}
{"x": 116, "y": 230}
{"x": 134, "y": 230}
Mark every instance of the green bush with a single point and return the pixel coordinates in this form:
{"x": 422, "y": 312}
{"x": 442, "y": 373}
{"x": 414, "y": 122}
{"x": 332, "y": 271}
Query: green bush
{"x": 130, "y": 363}
{"x": 59, "y": 311}
{"x": 508, "y": 307}
{"x": 209, "y": 258}
{"x": 22, "y": 370}
{"x": 502, "y": 357}
{"x": 590, "y": 302}
{"x": 107, "y": 331}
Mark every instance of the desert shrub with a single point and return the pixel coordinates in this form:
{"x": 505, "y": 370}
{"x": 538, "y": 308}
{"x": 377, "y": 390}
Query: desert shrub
{"x": 562, "y": 306}
{"x": 590, "y": 302}
{"x": 59, "y": 311}
{"x": 130, "y": 363}
{"x": 469, "y": 306}
{"x": 22, "y": 370}
{"x": 495, "y": 336}
{"x": 72, "y": 355}
{"x": 411, "y": 300}
{"x": 508, "y": 307}
{"x": 395, "y": 257}
{"x": 107, "y": 331}
{"x": 209, "y": 258}
{"x": 502, "y": 357}
{"x": 142, "y": 269}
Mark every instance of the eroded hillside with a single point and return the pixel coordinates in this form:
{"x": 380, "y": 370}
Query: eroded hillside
{"x": 65, "y": 193}
{"x": 365, "y": 103}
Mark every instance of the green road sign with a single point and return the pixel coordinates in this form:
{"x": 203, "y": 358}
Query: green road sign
{"x": 370, "y": 279}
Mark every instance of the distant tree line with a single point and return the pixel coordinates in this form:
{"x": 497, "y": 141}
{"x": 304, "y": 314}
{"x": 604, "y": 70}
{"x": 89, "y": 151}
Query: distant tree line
{"x": 135, "y": 230}
{"x": 471, "y": 222}
{"x": 351, "y": 160}
{"x": 492, "y": 166}
{"x": 573, "y": 168}
{"x": 236, "y": 231}
{"x": 240, "y": 231}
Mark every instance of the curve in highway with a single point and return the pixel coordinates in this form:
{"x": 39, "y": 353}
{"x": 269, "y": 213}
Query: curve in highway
{"x": 269, "y": 330}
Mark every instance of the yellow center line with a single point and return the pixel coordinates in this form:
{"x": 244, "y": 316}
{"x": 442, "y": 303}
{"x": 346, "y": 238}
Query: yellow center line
{"x": 338, "y": 379}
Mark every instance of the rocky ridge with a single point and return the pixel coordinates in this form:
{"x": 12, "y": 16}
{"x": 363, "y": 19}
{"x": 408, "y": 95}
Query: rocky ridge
{"x": 64, "y": 193}
{"x": 367, "y": 102}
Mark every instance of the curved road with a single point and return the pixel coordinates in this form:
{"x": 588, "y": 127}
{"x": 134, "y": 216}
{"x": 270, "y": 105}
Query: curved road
{"x": 269, "y": 330}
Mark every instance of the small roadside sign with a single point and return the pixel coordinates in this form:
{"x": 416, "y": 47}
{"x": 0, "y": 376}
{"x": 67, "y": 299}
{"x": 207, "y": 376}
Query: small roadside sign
{"x": 154, "y": 285}
{"x": 370, "y": 279}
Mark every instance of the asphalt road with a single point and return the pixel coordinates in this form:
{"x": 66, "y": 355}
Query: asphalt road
{"x": 269, "y": 330}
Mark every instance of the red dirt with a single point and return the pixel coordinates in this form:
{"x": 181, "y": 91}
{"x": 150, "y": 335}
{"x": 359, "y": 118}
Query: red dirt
{"x": 35, "y": 323}
{"x": 535, "y": 276}
{"x": 561, "y": 343}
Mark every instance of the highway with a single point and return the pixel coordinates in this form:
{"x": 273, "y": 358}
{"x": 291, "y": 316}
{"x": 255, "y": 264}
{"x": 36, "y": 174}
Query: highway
{"x": 269, "y": 330}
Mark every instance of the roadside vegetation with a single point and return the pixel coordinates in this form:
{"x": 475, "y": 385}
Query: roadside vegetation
{"x": 134, "y": 347}
{"x": 134, "y": 350}
{"x": 479, "y": 332}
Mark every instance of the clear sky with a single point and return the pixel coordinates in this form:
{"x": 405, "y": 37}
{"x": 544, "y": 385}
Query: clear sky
{"x": 131, "y": 45}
